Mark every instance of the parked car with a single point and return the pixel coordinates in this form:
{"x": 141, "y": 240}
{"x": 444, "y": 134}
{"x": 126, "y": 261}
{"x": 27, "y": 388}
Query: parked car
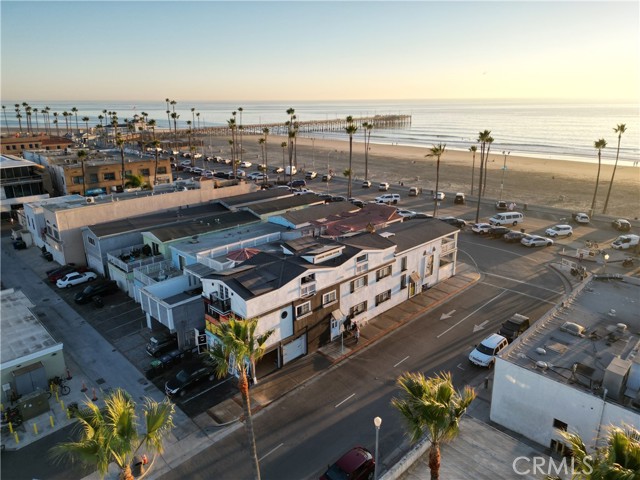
{"x": 325, "y": 196}
{"x": 502, "y": 205}
{"x": 513, "y": 236}
{"x": 197, "y": 155}
{"x": 484, "y": 354}
{"x": 621, "y": 225}
{"x": 58, "y": 273}
{"x": 310, "y": 175}
{"x": 414, "y": 191}
{"x": 439, "y": 196}
{"x": 536, "y": 241}
{"x": 498, "y": 232}
{"x": 161, "y": 343}
{"x": 303, "y": 191}
{"x": 514, "y": 327}
{"x": 338, "y": 198}
{"x": 423, "y": 215}
{"x": 75, "y": 278}
{"x": 297, "y": 183}
{"x": 481, "y": 228}
{"x": 459, "y": 199}
{"x": 327, "y": 177}
{"x": 406, "y": 213}
{"x": 559, "y": 231}
{"x": 625, "y": 242}
{"x": 278, "y": 170}
{"x": 96, "y": 289}
{"x": 245, "y": 164}
{"x": 383, "y": 187}
{"x": 366, "y": 184}
{"x": 582, "y": 218}
{"x": 358, "y": 203}
{"x": 456, "y": 222}
{"x": 388, "y": 198}
{"x": 356, "y": 464}
{"x": 188, "y": 378}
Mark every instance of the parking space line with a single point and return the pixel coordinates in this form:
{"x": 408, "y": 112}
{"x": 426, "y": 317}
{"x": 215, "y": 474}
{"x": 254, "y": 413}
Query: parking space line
{"x": 207, "y": 390}
{"x": 401, "y": 361}
{"x": 270, "y": 452}
{"x": 352, "y": 395}
{"x": 488, "y": 274}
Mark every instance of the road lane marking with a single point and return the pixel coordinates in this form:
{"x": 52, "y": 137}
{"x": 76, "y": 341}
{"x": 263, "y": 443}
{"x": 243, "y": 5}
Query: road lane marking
{"x": 352, "y": 395}
{"x": 444, "y": 316}
{"x": 207, "y": 390}
{"x": 518, "y": 281}
{"x": 270, "y": 452}
{"x": 476, "y": 310}
{"x": 460, "y": 366}
{"x": 523, "y": 294}
{"x": 401, "y": 361}
{"x": 477, "y": 328}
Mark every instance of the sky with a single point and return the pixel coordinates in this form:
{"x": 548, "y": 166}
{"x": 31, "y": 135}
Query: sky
{"x": 331, "y": 50}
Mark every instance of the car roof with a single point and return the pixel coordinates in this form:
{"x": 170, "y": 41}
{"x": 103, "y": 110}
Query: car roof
{"x": 353, "y": 459}
{"x": 493, "y": 340}
{"x": 561, "y": 226}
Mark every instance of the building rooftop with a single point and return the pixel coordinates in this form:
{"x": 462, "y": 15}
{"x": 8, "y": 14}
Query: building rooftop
{"x": 203, "y": 225}
{"x": 372, "y": 216}
{"x": 589, "y": 341}
{"x": 10, "y": 161}
{"x": 255, "y": 197}
{"x": 231, "y": 239}
{"x": 282, "y": 204}
{"x": 22, "y": 332}
{"x": 318, "y": 213}
{"x": 411, "y": 233}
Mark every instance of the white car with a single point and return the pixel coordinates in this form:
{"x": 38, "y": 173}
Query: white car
{"x": 197, "y": 155}
{"x": 559, "y": 231}
{"x": 481, "y": 228}
{"x": 625, "y": 242}
{"x": 245, "y": 164}
{"x": 536, "y": 241}
{"x": 484, "y": 355}
{"x": 366, "y": 184}
{"x": 581, "y": 218}
{"x": 303, "y": 191}
{"x": 388, "y": 198}
{"x": 208, "y": 173}
{"x": 383, "y": 187}
{"x": 406, "y": 213}
{"x": 439, "y": 196}
{"x": 278, "y": 170}
{"x": 311, "y": 175}
{"x": 75, "y": 278}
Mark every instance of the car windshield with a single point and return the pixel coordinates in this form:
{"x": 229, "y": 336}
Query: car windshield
{"x": 182, "y": 376}
{"x": 482, "y": 348}
{"x": 336, "y": 473}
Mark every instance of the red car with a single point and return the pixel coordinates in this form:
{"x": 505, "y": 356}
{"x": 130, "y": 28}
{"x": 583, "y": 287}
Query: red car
{"x": 356, "y": 464}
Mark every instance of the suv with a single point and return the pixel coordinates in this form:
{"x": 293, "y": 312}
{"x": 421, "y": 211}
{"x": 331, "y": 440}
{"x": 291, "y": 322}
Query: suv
{"x": 105, "y": 287}
{"x": 356, "y": 464}
{"x": 498, "y": 232}
{"x": 188, "y": 378}
{"x": 383, "y": 187}
{"x": 159, "y": 344}
{"x": 459, "y": 198}
{"x": 559, "y": 230}
{"x": 484, "y": 354}
{"x": 388, "y": 198}
{"x": 298, "y": 184}
{"x": 621, "y": 225}
{"x": 514, "y": 327}
{"x": 456, "y": 222}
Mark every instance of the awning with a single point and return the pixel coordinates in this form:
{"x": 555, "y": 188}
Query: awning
{"x": 415, "y": 277}
{"x": 337, "y": 314}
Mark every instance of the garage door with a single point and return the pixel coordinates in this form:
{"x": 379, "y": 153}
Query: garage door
{"x": 294, "y": 349}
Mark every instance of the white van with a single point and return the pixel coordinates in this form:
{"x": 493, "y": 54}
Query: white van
{"x": 507, "y": 218}
{"x": 414, "y": 191}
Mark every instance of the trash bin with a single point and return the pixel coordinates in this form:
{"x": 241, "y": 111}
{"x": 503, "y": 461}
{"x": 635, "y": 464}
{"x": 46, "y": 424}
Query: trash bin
{"x": 48, "y": 256}
{"x": 137, "y": 467}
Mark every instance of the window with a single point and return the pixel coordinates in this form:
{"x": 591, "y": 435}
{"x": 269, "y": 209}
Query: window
{"x": 361, "y": 258}
{"x": 77, "y": 180}
{"x": 144, "y": 172}
{"x": 328, "y": 298}
{"x": 128, "y": 173}
{"x": 93, "y": 178}
{"x": 358, "y": 283}
{"x": 560, "y": 425}
{"x": 91, "y": 241}
{"x": 403, "y": 264}
{"x": 162, "y": 170}
{"x": 383, "y": 297}
{"x": 429, "y": 270}
{"x": 303, "y": 309}
{"x": 358, "y": 309}
{"x": 361, "y": 263}
{"x": 403, "y": 282}
{"x": 383, "y": 272}
{"x": 109, "y": 176}
{"x": 308, "y": 285}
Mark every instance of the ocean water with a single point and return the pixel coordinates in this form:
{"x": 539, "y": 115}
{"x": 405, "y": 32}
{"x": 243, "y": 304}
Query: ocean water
{"x": 553, "y": 130}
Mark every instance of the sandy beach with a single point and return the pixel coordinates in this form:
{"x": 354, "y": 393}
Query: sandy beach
{"x": 556, "y": 183}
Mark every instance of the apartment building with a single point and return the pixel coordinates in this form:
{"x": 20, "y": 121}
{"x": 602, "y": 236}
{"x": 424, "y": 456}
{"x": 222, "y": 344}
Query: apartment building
{"x": 17, "y": 145}
{"x": 21, "y": 181}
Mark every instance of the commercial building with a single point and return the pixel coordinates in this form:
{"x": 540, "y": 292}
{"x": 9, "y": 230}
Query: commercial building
{"x": 21, "y": 181}
{"x": 17, "y": 145}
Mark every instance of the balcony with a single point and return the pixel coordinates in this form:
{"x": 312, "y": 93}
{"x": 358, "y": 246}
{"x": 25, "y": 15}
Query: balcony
{"x": 130, "y": 258}
{"x": 218, "y": 306}
{"x": 448, "y": 247}
{"x": 307, "y": 289}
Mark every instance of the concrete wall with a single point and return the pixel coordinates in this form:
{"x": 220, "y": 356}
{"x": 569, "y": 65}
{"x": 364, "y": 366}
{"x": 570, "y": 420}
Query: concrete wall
{"x": 528, "y": 401}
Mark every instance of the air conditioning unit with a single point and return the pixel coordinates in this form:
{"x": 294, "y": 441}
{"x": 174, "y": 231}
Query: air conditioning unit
{"x": 91, "y": 200}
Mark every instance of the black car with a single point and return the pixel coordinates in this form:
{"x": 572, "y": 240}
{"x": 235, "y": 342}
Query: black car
{"x": 498, "y": 232}
{"x": 96, "y": 289}
{"x": 159, "y": 344}
{"x": 513, "y": 236}
{"x": 514, "y": 327}
{"x": 456, "y": 222}
{"x": 325, "y": 196}
{"x": 338, "y": 198}
{"x": 188, "y": 378}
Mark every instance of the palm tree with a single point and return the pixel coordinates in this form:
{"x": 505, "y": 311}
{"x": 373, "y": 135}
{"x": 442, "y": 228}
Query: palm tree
{"x": 239, "y": 349}
{"x": 82, "y": 156}
{"x": 4, "y": 111}
{"x": 432, "y": 406}
{"x": 598, "y": 145}
{"x": 55, "y": 121}
{"x": 291, "y": 136}
{"x": 240, "y": 128}
{"x": 233, "y": 127}
{"x": 75, "y": 110}
{"x": 198, "y": 117}
{"x": 110, "y": 434}
{"x": 351, "y": 129}
{"x": 35, "y": 111}
{"x": 265, "y": 130}
{"x": 283, "y": 145}
{"x": 120, "y": 144}
{"x": 436, "y": 151}
{"x": 483, "y": 138}
{"x": 486, "y": 162}
{"x": 175, "y": 117}
{"x": 191, "y": 148}
{"x": 156, "y": 145}
{"x": 19, "y": 117}
{"x": 620, "y": 129}
{"x": 619, "y": 459}
{"x": 473, "y": 149}
{"x": 367, "y": 140}
{"x": 86, "y": 123}
{"x": 66, "y": 114}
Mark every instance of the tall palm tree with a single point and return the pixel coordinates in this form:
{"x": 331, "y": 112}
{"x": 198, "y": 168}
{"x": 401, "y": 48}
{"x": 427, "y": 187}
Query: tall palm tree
{"x": 351, "y": 129}
{"x": 283, "y": 145}
{"x": 19, "y": 117}
{"x": 486, "y": 164}
{"x": 291, "y": 136}
{"x": 86, "y": 123}
{"x": 619, "y": 459}
{"x": 156, "y": 144}
{"x": 198, "y": 117}
{"x": 432, "y": 406}
{"x": 47, "y": 109}
{"x": 483, "y": 139}
{"x": 367, "y": 127}
{"x": 239, "y": 348}
{"x": 436, "y": 151}
{"x": 265, "y": 131}
{"x": 598, "y": 145}
{"x": 75, "y": 110}
{"x": 27, "y": 112}
{"x": 231, "y": 123}
{"x": 193, "y": 116}
{"x": 120, "y": 144}
{"x": 110, "y": 434}
{"x": 175, "y": 117}
{"x": 473, "y": 149}
{"x": 35, "y": 114}
{"x": 82, "y": 156}
{"x": 55, "y": 121}
{"x": 620, "y": 129}
{"x": 4, "y": 111}
{"x": 240, "y": 129}
{"x": 66, "y": 114}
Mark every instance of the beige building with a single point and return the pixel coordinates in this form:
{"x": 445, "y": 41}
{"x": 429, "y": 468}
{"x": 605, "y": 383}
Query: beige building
{"x": 17, "y": 145}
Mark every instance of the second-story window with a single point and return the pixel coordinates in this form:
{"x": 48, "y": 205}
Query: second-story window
{"x": 308, "y": 285}
{"x": 109, "y": 176}
{"x": 77, "y": 180}
{"x": 303, "y": 309}
{"x": 361, "y": 263}
{"x": 358, "y": 283}
{"x": 403, "y": 264}
{"x": 383, "y": 272}
{"x": 328, "y": 298}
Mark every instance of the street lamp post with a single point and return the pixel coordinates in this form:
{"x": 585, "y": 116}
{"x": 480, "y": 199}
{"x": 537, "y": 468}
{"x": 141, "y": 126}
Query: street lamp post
{"x": 377, "y": 422}
{"x": 504, "y": 169}
{"x": 606, "y": 258}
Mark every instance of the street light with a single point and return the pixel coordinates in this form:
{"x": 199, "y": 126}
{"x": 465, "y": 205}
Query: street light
{"x": 606, "y": 257}
{"x": 504, "y": 169}
{"x": 377, "y": 422}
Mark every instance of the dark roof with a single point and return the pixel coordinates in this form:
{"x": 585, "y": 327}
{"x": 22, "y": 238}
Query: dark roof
{"x": 368, "y": 241}
{"x": 281, "y": 204}
{"x": 153, "y": 220}
{"x": 411, "y": 233}
{"x": 256, "y": 197}
{"x": 318, "y": 212}
{"x": 203, "y": 225}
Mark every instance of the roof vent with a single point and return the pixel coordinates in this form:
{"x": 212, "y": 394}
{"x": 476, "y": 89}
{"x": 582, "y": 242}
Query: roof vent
{"x": 622, "y": 327}
{"x": 194, "y": 239}
{"x": 542, "y": 365}
{"x": 541, "y": 351}
{"x": 573, "y": 329}
{"x": 91, "y": 200}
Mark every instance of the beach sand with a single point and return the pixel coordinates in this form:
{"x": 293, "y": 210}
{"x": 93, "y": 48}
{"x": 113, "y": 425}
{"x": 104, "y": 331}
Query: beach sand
{"x": 535, "y": 181}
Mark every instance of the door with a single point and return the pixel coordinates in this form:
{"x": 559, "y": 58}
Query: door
{"x": 294, "y": 349}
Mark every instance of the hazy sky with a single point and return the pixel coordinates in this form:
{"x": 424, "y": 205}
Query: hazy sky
{"x": 208, "y": 50}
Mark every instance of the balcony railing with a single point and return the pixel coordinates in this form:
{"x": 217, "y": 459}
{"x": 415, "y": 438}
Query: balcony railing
{"x": 307, "y": 289}
{"x": 219, "y": 306}
{"x": 448, "y": 247}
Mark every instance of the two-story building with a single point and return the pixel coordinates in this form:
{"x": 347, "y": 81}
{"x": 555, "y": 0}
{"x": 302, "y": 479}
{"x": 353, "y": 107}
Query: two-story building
{"x": 21, "y": 181}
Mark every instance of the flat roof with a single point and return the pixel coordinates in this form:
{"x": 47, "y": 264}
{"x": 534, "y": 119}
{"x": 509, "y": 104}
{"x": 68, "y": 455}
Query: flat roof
{"x": 256, "y": 197}
{"x": 22, "y": 332}
{"x": 13, "y": 162}
{"x": 608, "y": 310}
{"x": 282, "y": 204}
